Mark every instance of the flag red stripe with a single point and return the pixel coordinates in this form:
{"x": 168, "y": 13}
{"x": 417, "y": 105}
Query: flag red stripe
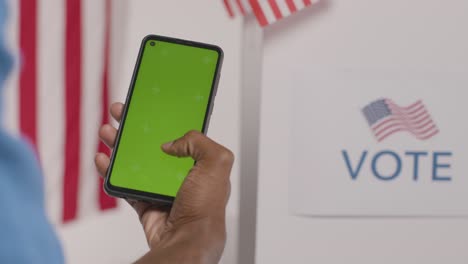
{"x": 291, "y": 6}
{"x": 405, "y": 111}
{"x": 241, "y": 7}
{"x": 72, "y": 108}
{"x": 275, "y": 9}
{"x": 388, "y": 101}
{"x": 257, "y": 10}
{"x": 403, "y": 116}
{"x": 105, "y": 201}
{"x": 420, "y": 136}
{"x": 228, "y": 8}
{"x": 408, "y": 112}
{"x": 411, "y": 119}
{"x": 413, "y": 128}
{"x": 413, "y": 125}
{"x": 431, "y": 134}
{"x": 28, "y": 73}
{"x": 307, "y": 2}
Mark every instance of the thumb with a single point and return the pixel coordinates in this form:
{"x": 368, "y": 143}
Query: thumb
{"x": 193, "y": 144}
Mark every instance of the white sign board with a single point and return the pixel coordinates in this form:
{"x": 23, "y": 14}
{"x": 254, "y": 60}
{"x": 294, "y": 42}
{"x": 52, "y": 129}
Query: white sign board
{"x": 379, "y": 142}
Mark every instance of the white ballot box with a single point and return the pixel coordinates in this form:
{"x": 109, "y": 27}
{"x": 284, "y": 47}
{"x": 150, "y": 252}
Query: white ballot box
{"x": 333, "y": 186}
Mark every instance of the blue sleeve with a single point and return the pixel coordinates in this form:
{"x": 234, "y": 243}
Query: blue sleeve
{"x": 26, "y": 234}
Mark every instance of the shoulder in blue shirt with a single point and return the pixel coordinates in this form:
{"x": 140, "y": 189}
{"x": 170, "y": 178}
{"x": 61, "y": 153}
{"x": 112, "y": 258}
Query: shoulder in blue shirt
{"x": 26, "y": 235}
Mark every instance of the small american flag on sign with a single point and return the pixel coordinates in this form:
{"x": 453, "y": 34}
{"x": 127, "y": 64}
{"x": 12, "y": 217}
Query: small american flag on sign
{"x": 266, "y": 11}
{"x": 387, "y": 118}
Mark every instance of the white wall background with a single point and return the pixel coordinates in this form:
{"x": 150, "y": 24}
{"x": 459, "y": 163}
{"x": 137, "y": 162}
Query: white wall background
{"x": 359, "y": 32}
{"x": 116, "y": 236}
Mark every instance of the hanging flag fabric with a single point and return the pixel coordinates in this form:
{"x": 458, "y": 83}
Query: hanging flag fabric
{"x": 266, "y": 11}
{"x": 58, "y": 96}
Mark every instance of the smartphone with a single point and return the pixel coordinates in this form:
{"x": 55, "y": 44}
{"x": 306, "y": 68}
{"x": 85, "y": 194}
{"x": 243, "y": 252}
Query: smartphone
{"x": 172, "y": 92}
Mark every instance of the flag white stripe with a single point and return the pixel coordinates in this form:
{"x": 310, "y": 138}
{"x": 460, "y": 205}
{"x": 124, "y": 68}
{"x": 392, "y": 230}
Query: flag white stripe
{"x": 299, "y": 4}
{"x": 234, "y": 8}
{"x": 93, "y": 34}
{"x": 246, "y": 5}
{"x": 283, "y": 7}
{"x": 267, "y": 11}
{"x": 10, "y": 94}
{"x": 118, "y": 65}
{"x": 117, "y": 80}
{"x": 50, "y": 100}
{"x": 237, "y": 9}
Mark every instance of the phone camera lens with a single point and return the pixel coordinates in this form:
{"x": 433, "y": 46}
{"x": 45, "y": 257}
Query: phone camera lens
{"x": 152, "y": 43}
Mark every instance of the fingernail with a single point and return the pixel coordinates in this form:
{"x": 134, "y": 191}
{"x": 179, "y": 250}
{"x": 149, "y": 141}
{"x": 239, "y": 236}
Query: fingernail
{"x": 167, "y": 145}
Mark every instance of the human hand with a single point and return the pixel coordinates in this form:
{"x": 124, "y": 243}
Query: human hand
{"x": 194, "y": 230}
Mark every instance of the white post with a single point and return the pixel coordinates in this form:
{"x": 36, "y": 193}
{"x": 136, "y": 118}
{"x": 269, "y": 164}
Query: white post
{"x": 252, "y": 50}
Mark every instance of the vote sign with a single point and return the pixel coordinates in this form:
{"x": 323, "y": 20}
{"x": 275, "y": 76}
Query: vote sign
{"x": 379, "y": 142}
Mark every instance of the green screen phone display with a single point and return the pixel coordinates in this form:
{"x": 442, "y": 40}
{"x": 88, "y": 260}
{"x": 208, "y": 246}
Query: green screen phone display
{"x": 171, "y": 95}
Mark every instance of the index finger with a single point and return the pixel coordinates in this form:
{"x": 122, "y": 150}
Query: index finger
{"x": 116, "y": 111}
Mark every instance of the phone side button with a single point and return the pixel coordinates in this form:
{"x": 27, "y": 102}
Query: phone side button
{"x": 209, "y": 115}
{"x": 216, "y": 84}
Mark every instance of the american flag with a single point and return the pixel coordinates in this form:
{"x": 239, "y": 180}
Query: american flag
{"x": 58, "y": 95}
{"x": 386, "y": 118}
{"x": 266, "y": 11}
